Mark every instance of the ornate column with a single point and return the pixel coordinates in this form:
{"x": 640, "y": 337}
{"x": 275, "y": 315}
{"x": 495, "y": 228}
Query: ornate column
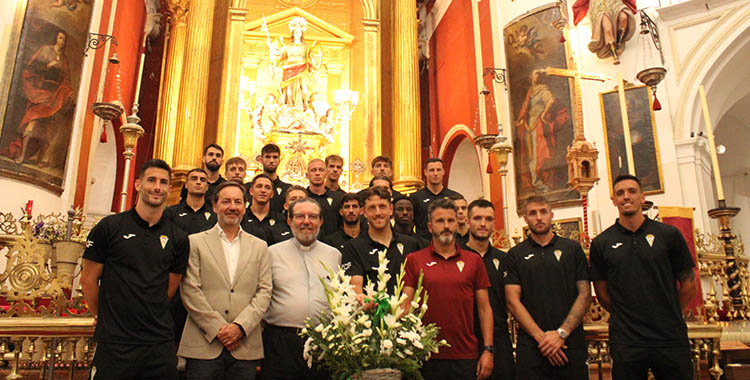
{"x": 406, "y": 122}
{"x": 371, "y": 106}
{"x": 230, "y": 78}
{"x": 170, "y": 90}
{"x": 191, "y": 106}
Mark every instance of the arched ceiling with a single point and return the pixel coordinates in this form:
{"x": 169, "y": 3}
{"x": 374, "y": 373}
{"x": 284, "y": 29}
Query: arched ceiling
{"x": 733, "y": 131}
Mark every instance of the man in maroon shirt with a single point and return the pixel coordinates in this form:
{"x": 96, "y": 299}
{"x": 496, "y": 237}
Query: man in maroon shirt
{"x": 453, "y": 279}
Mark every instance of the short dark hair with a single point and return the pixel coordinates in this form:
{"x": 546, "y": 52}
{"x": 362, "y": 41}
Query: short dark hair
{"x": 433, "y": 159}
{"x": 402, "y": 197}
{"x": 385, "y": 159}
{"x": 155, "y": 163}
{"x": 215, "y": 146}
{"x": 293, "y": 188}
{"x": 375, "y": 191}
{"x": 235, "y": 160}
{"x": 536, "y": 198}
{"x": 224, "y": 185}
{"x": 351, "y": 197}
{"x": 442, "y": 203}
{"x": 270, "y": 148}
{"x": 196, "y": 170}
{"x": 259, "y": 176}
{"x": 334, "y": 157}
{"x": 480, "y": 203}
{"x": 456, "y": 197}
{"x": 381, "y": 177}
{"x": 303, "y": 200}
{"x": 625, "y": 177}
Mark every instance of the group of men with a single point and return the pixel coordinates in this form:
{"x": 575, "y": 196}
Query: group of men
{"x": 245, "y": 260}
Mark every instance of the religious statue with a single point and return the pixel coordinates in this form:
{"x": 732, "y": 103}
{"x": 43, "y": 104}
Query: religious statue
{"x": 539, "y": 119}
{"x": 612, "y": 24}
{"x": 49, "y": 93}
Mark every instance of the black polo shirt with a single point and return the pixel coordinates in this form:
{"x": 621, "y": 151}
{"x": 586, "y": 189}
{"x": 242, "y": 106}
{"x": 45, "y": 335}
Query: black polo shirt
{"x": 137, "y": 260}
{"x": 211, "y": 188}
{"x": 260, "y": 228}
{"x": 277, "y": 201}
{"x": 330, "y": 203}
{"x": 493, "y": 262}
{"x": 462, "y": 239}
{"x": 641, "y": 271}
{"x": 547, "y": 276}
{"x": 339, "y": 238}
{"x": 280, "y": 232}
{"x": 361, "y": 254}
{"x": 423, "y": 243}
{"x": 337, "y": 191}
{"x": 421, "y": 199}
{"x": 189, "y": 220}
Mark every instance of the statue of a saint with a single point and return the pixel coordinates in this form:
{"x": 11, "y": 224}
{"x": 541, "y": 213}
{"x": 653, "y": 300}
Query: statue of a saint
{"x": 612, "y": 24}
{"x": 297, "y": 65}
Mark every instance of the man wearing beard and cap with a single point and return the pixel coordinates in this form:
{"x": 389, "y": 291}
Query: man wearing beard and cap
{"x": 213, "y": 157}
{"x": 547, "y": 290}
{"x": 455, "y": 280}
{"x": 296, "y": 265}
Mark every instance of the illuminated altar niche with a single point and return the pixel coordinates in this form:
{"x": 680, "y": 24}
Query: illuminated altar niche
{"x": 257, "y": 82}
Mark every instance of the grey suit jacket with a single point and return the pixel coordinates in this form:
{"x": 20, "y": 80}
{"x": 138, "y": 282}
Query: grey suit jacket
{"x": 212, "y": 301}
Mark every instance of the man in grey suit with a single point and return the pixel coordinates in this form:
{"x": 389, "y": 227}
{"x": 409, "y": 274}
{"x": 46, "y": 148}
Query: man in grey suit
{"x": 226, "y": 292}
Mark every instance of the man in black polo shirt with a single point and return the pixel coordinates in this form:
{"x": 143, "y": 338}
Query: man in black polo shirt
{"x": 270, "y": 157}
{"x": 547, "y": 290}
{"x": 259, "y": 218}
{"x": 361, "y": 253}
{"x": 281, "y": 231}
{"x": 236, "y": 169}
{"x": 351, "y": 210}
{"x": 433, "y": 190}
{"x": 330, "y": 202}
{"x": 334, "y": 168}
{"x": 140, "y": 257}
{"x": 403, "y": 219}
{"x": 193, "y": 214}
{"x": 481, "y": 223}
{"x": 213, "y": 157}
{"x": 636, "y": 265}
{"x": 462, "y": 234}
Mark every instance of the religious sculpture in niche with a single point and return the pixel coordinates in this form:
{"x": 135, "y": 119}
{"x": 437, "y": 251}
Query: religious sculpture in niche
{"x": 612, "y": 25}
{"x": 37, "y": 122}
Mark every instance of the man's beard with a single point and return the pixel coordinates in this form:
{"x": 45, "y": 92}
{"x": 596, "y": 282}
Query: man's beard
{"x": 269, "y": 170}
{"x": 351, "y": 223}
{"x": 541, "y": 231}
{"x": 629, "y": 213}
{"x": 212, "y": 166}
{"x": 479, "y": 238}
{"x": 146, "y": 199}
{"x": 305, "y": 236}
{"x": 444, "y": 238}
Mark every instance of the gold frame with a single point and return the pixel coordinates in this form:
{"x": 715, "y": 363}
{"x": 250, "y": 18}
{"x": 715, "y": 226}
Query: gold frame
{"x": 10, "y": 59}
{"x": 560, "y": 222}
{"x": 660, "y": 190}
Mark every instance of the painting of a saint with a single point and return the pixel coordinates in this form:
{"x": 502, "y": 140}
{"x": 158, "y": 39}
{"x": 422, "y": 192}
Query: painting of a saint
{"x": 540, "y": 106}
{"x": 38, "y": 119}
{"x": 642, "y": 137}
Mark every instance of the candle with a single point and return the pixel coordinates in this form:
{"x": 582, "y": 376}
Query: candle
{"x": 29, "y": 206}
{"x": 625, "y": 124}
{"x": 711, "y": 144}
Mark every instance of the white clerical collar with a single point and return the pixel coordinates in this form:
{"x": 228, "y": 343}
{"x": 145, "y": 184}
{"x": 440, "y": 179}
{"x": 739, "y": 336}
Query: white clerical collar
{"x": 305, "y": 248}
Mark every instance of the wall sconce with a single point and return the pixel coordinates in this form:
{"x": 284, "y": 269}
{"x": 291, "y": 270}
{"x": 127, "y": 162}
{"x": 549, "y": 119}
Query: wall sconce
{"x": 498, "y": 76}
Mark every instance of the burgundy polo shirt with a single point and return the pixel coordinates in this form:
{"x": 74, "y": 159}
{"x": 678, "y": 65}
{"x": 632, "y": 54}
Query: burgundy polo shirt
{"x": 450, "y": 284}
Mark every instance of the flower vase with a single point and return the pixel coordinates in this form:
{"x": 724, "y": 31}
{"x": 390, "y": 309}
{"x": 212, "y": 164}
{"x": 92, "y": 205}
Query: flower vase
{"x": 378, "y": 374}
{"x": 67, "y": 254}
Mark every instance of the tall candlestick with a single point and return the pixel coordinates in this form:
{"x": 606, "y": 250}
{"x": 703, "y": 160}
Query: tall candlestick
{"x": 711, "y": 144}
{"x": 625, "y": 124}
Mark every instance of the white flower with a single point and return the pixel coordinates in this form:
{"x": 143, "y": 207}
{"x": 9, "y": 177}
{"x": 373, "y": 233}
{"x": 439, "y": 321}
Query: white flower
{"x": 417, "y": 344}
{"x": 367, "y": 332}
{"x": 319, "y": 328}
{"x": 387, "y": 344}
{"x": 400, "y": 341}
{"x": 368, "y": 324}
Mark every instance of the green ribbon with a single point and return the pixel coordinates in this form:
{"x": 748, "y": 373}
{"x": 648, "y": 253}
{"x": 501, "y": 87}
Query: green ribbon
{"x": 382, "y": 309}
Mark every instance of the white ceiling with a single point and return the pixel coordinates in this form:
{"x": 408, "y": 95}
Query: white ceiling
{"x": 733, "y": 131}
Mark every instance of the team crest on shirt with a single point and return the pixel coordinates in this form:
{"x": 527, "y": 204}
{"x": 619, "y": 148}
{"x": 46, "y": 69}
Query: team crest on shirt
{"x": 163, "y": 239}
{"x": 207, "y": 215}
{"x": 278, "y": 190}
{"x": 330, "y": 200}
{"x": 400, "y": 247}
{"x": 460, "y": 264}
{"x": 650, "y": 240}
{"x": 496, "y": 262}
{"x": 558, "y": 253}
{"x": 272, "y": 222}
{"x": 182, "y": 214}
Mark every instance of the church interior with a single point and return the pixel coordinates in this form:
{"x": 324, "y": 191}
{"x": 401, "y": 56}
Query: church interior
{"x": 516, "y": 97}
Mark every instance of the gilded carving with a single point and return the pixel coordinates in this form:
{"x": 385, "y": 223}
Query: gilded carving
{"x": 179, "y": 9}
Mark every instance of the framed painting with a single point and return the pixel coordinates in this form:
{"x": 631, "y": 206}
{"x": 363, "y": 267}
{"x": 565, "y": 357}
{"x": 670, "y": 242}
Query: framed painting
{"x": 541, "y": 107}
{"x": 568, "y": 228}
{"x": 40, "y": 83}
{"x": 642, "y": 137}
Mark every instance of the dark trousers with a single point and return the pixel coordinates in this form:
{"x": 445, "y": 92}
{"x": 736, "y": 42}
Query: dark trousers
{"x": 531, "y": 365}
{"x": 179, "y": 316}
{"x": 445, "y": 369}
{"x": 666, "y": 363}
{"x": 283, "y": 349}
{"x": 504, "y": 367}
{"x": 225, "y": 366}
{"x": 134, "y": 361}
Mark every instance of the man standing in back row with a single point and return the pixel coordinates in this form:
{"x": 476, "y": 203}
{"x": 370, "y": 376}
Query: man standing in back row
{"x": 432, "y": 190}
{"x": 270, "y": 158}
{"x": 636, "y": 265}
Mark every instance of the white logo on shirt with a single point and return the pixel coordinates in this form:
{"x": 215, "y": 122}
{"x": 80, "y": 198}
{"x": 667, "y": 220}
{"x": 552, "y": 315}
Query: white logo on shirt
{"x": 278, "y": 190}
{"x": 616, "y": 245}
{"x": 207, "y": 215}
{"x": 529, "y": 256}
{"x": 285, "y": 233}
{"x": 650, "y": 240}
{"x": 182, "y": 214}
{"x": 128, "y": 236}
{"x": 426, "y": 200}
{"x": 89, "y": 243}
{"x": 373, "y": 251}
{"x": 249, "y": 220}
{"x": 431, "y": 263}
{"x": 505, "y": 273}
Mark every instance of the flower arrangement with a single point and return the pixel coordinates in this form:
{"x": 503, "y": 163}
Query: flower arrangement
{"x": 48, "y": 231}
{"x": 53, "y": 228}
{"x": 352, "y": 338}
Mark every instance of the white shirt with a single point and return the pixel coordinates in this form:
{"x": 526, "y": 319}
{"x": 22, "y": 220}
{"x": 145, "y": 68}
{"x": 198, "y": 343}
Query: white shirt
{"x": 297, "y": 292}
{"x": 231, "y": 252}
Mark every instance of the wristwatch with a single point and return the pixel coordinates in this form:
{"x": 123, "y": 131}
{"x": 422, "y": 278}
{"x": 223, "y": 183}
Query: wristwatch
{"x": 490, "y": 349}
{"x": 563, "y": 333}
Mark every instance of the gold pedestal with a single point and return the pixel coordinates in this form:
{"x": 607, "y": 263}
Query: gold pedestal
{"x": 734, "y": 272}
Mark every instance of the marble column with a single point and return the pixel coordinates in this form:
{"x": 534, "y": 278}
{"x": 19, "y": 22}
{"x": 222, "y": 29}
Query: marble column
{"x": 230, "y": 78}
{"x": 407, "y": 158}
{"x": 170, "y": 89}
